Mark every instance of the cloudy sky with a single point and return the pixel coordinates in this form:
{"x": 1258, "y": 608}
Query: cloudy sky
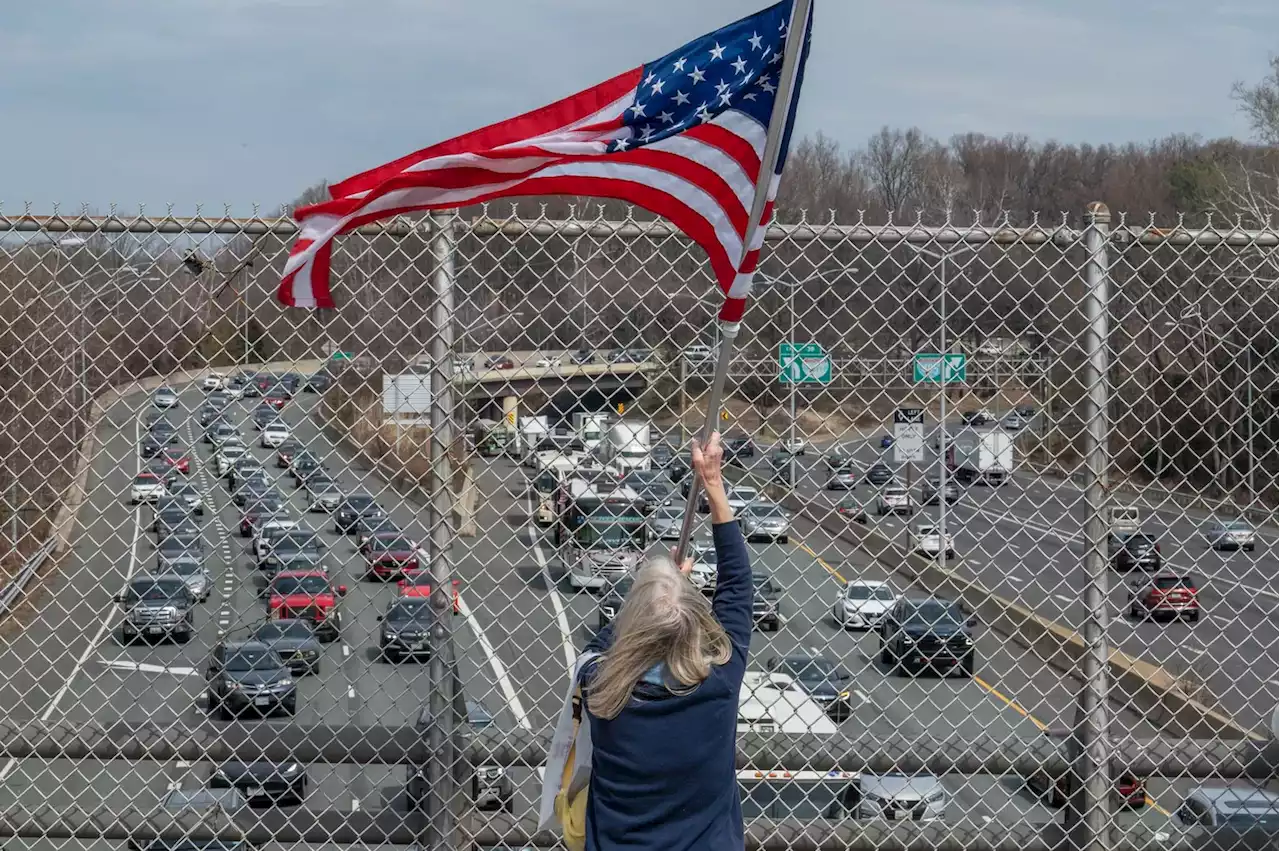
{"x": 248, "y": 101}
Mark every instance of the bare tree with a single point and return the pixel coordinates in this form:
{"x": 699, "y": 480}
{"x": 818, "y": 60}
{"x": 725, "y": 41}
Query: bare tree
{"x": 1260, "y": 103}
{"x": 895, "y": 164}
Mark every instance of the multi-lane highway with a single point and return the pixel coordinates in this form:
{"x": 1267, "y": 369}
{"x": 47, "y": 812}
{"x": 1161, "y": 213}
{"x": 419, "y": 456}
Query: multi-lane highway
{"x": 1025, "y": 542}
{"x": 517, "y": 636}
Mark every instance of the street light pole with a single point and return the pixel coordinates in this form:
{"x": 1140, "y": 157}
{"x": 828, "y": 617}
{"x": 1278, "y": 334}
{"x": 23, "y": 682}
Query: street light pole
{"x": 791, "y": 438}
{"x": 941, "y": 490}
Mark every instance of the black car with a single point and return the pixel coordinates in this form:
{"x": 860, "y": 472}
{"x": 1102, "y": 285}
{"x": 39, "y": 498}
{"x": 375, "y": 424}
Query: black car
{"x": 182, "y": 528}
{"x": 189, "y": 494}
{"x": 295, "y": 549}
{"x": 766, "y": 602}
{"x": 738, "y": 448}
{"x": 303, "y": 465}
{"x": 878, "y": 474}
{"x": 661, "y": 455}
{"x": 262, "y": 784}
{"x": 295, "y": 640}
{"x": 319, "y": 382}
{"x": 826, "y": 682}
{"x": 611, "y": 599}
{"x": 653, "y": 487}
{"x": 163, "y": 431}
{"x": 207, "y": 414}
{"x": 157, "y": 607}
{"x": 171, "y": 511}
{"x": 352, "y": 509}
{"x": 405, "y": 628}
{"x": 1134, "y": 551}
{"x": 582, "y": 356}
{"x": 151, "y": 446}
{"x": 247, "y": 676}
{"x": 251, "y": 491}
{"x": 930, "y": 491}
{"x": 927, "y": 634}
{"x": 263, "y": 415}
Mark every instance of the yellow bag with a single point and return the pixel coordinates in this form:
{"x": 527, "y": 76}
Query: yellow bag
{"x": 571, "y": 804}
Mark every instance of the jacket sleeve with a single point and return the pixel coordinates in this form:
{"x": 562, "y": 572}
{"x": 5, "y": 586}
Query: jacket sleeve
{"x": 734, "y": 591}
{"x": 601, "y": 641}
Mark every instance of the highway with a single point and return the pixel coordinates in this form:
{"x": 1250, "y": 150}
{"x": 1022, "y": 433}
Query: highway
{"x": 516, "y": 639}
{"x": 1025, "y": 542}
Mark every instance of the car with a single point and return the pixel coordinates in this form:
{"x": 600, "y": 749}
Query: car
{"x": 765, "y": 521}
{"x": 1025, "y": 411}
{"x": 191, "y": 570}
{"x": 1013, "y": 421}
{"x": 582, "y": 356}
{"x": 220, "y": 398}
{"x": 1246, "y": 818}
{"x": 213, "y": 381}
{"x": 825, "y": 682}
{"x": 318, "y": 382}
{"x": 353, "y": 507}
{"x": 740, "y": 496}
{"x": 391, "y": 556}
{"x": 205, "y": 801}
{"x": 163, "y": 431}
{"x": 852, "y": 509}
{"x": 738, "y": 449}
{"x": 264, "y": 415}
{"x": 323, "y": 495}
{"x": 189, "y": 493}
{"x": 927, "y": 634}
{"x": 159, "y": 468}
{"x": 1133, "y": 551}
{"x": 150, "y": 446}
{"x": 928, "y": 540}
{"x": 262, "y": 784}
{"x": 251, "y": 389}
{"x": 295, "y": 640}
{"x": 899, "y": 797}
{"x": 863, "y": 603}
{"x": 156, "y": 607}
{"x": 277, "y": 399}
{"x": 794, "y": 446}
{"x": 165, "y": 398}
{"x": 307, "y": 594}
{"x": 274, "y": 434}
{"x": 666, "y": 521}
{"x": 265, "y": 509}
{"x": 207, "y": 414}
{"x": 611, "y": 599}
{"x": 838, "y": 456}
{"x": 543, "y": 363}
{"x": 878, "y": 475}
{"x": 234, "y": 387}
{"x": 248, "y": 676}
{"x": 1128, "y": 791}
{"x": 499, "y": 362}
{"x": 292, "y": 550}
{"x": 1230, "y": 535}
{"x": 894, "y": 499}
{"x": 765, "y": 605}
{"x": 976, "y": 418}
{"x": 371, "y": 525}
{"x": 179, "y": 462}
{"x": 930, "y": 492}
{"x": 170, "y": 511}
{"x": 219, "y": 431}
{"x": 705, "y": 567}
{"x": 304, "y": 463}
{"x": 491, "y": 788}
{"x": 1165, "y": 595}
{"x": 285, "y": 452}
{"x": 406, "y": 628}
{"x": 228, "y": 454}
{"x": 252, "y": 490}
{"x": 147, "y": 487}
{"x": 843, "y": 479}
{"x": 886, "y": 441}
{"x": 420, "y": 584}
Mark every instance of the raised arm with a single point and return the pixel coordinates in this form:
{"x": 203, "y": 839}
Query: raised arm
{"x": 732, "y": 601}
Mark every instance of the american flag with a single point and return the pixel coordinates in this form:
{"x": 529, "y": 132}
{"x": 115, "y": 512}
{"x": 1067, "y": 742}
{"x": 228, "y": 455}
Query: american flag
{"x": 682, "y": 136}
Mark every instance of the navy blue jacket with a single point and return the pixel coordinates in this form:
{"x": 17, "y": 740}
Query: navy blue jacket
{"x": 662, "y": 773}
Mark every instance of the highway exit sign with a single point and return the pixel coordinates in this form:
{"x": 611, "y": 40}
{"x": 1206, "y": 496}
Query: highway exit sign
{"x": 803, "y": 363}
{"x": 936, "y": 368}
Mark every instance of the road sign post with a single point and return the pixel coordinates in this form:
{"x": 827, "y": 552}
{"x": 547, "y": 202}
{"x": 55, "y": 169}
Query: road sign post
{"x": 908, "y": 435}
{"x": 933, "y": 368}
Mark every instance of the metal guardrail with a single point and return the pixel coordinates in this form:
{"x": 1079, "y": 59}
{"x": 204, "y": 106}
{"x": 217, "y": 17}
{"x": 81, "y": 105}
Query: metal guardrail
{"x": 17, "y": 586}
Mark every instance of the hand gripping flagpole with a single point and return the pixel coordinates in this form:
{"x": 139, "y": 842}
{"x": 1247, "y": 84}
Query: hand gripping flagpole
{"x": 768, "y": 165}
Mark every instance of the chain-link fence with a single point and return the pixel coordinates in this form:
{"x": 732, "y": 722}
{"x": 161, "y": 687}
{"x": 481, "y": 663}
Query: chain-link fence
{"x": 1010, "y": 494}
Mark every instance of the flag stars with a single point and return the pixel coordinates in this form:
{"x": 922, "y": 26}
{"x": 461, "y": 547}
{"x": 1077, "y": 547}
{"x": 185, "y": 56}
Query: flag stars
{"x": 681, "y": 98}
{"x": 755, "y": 41}
{"x": 696, "y": 75}
{"x": 665, "y": 117}
{"x": 637, "y": 109}
{"x": 703, "y": 114}
{"x": 716, "y": 52}
{"x": 656, "y": 88}
{"x": 721, "y": 87}
{"x": 646, "y": 133}
{"x": 767, "y": 86}
{"x": 725, "y": 98}
{"x": 649, "y": 79}
{"x": 678, "y": 66}
{"x": 739, "y": 65}
{"x": 749, "y": 96}
{"x": 620, "y": 145}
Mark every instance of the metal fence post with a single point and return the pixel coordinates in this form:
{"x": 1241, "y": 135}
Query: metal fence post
{"x": 440, "y": 796}
{"x": 1088, "y": 815}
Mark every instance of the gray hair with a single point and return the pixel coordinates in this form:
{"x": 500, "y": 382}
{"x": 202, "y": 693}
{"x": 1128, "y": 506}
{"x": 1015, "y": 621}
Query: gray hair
{"x": 663, "y": 619}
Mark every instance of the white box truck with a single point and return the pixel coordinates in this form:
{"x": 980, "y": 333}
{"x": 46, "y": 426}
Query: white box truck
{"x": 533, "y": 431}
{"x": 627, "y": 446}
{"x": 982, "y": 456}
{"x": 590, "y": 428}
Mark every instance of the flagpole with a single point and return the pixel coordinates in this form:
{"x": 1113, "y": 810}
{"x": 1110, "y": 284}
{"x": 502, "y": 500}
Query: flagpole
{"x": 768, "y": 164}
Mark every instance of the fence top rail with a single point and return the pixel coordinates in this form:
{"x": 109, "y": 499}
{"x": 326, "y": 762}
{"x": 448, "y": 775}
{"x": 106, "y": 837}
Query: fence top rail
{"x": 907, "y": 232}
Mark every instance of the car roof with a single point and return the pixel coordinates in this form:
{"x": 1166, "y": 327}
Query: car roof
{"x": 293, "y": 574}
{"x": 868, "y": 583}
{"x": 246, "y": 644}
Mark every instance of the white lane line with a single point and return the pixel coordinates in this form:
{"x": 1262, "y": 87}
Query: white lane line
{"x": 1015, "y": 579}
{"x": 351, "y": 692}
{"x": 499, "y": 672}
{"x": 1063, "y": 598}
{"x": 104, "y": 626}
{"x": 535, "y": 543}
{"x": 346, "y": 650}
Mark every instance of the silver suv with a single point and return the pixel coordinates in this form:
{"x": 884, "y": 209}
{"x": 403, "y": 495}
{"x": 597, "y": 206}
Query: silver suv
{"x": 901, "y": 797}
{"x": 157, "y": 607}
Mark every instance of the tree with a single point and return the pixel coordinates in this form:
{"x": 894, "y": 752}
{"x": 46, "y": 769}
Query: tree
{"x": 1260, "y": 103}
{"x": 313, "y": 194}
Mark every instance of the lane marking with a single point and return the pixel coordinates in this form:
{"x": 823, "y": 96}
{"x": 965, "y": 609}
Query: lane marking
{"x": 148, "y": 668}
{"x": 351, "y": 692}
{"x": 819, "y": 559}
{"x": 499, "y": 671}
{"x": 346, "y": 649}
{"x": 535, "y": 543}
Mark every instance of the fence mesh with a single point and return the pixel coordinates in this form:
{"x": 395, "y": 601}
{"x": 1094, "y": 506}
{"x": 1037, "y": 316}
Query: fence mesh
{"x": 907, "y": 421}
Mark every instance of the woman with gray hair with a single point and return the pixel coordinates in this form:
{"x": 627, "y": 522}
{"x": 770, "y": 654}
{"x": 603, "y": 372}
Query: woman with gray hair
{"x": 662, "y": 700}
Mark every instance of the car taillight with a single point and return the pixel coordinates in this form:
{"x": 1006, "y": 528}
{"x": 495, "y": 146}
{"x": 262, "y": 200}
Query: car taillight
{"x": 1157, "y": 548}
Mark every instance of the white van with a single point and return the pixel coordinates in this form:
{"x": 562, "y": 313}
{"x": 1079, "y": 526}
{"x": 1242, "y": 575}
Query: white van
{"x": 773, "y": 703}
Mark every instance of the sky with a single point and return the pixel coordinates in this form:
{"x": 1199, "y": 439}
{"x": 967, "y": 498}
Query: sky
{"x": 244, "y": 102}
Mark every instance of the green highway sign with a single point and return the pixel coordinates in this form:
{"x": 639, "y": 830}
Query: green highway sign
{"x": 342, "y": 356}
{"x": 928, "y": 368}
{"x": 803, "y": 363}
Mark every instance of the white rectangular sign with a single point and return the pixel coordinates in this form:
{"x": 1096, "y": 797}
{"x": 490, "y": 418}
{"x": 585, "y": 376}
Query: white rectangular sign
{"x": 408, "y": 394}
{"x": 908, "y": 436}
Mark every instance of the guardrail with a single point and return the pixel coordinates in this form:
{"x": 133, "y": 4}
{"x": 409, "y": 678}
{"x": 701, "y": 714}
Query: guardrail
{"x": 18, "y": 583}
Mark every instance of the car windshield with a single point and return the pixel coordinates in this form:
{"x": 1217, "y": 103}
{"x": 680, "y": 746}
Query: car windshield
{"x": 146, "y": 479}
{"x": 1252, "y": 818}
{"x": 272, "y": 630}
{"x": 765, "y": 512}
{"x": 394, "y": 543}
{"x": 612, "y": 535}
{"x": 934, "y": 612}
{"x": 179, "y": 544}
{"x": 285, "y": 585}
{"x": 868, "y": 592}
{"x": 895, "y": 491}
{"x": 360, "y": 503}
{"x": 158, "y": 590}
{"x": 705, "y": 556}
{"x": 410, "y": 610}
{"x": 253, "y": 659}
{"x": 813, "y": 670}
{"x": 1165, "y": 583}
{"x": 183, "y": 566}
{"x": 1237, "y": 526}
{"x": 296, "y": 541}
{"x": 1139, "y": 540}
{"x": 793, "y": 799}
{"x": 184, "y": 489}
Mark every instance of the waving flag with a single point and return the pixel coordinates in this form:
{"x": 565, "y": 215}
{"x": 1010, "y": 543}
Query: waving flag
{"x": 683, "y": 136}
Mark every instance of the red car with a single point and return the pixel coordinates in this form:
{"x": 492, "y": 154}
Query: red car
{"x": 308, "y": 595}
{"x": 177, "y": 461}
{"x": 274, "y": 401}
{"x": 285, "y": 453}
{"x": 1168, "y": 595}
{"x": 390, "y": 555}
{"x": 366, "y": 545}
{"x": 419, "y": 585}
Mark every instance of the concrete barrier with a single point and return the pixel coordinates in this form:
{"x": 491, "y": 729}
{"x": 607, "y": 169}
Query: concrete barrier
{"x": 1143, "y": 685}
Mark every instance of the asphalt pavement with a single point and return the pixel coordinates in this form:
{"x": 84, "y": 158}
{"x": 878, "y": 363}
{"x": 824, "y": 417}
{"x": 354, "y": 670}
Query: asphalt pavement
{"x": 516, "y": 640}
{"x": 1025, "y": 541}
